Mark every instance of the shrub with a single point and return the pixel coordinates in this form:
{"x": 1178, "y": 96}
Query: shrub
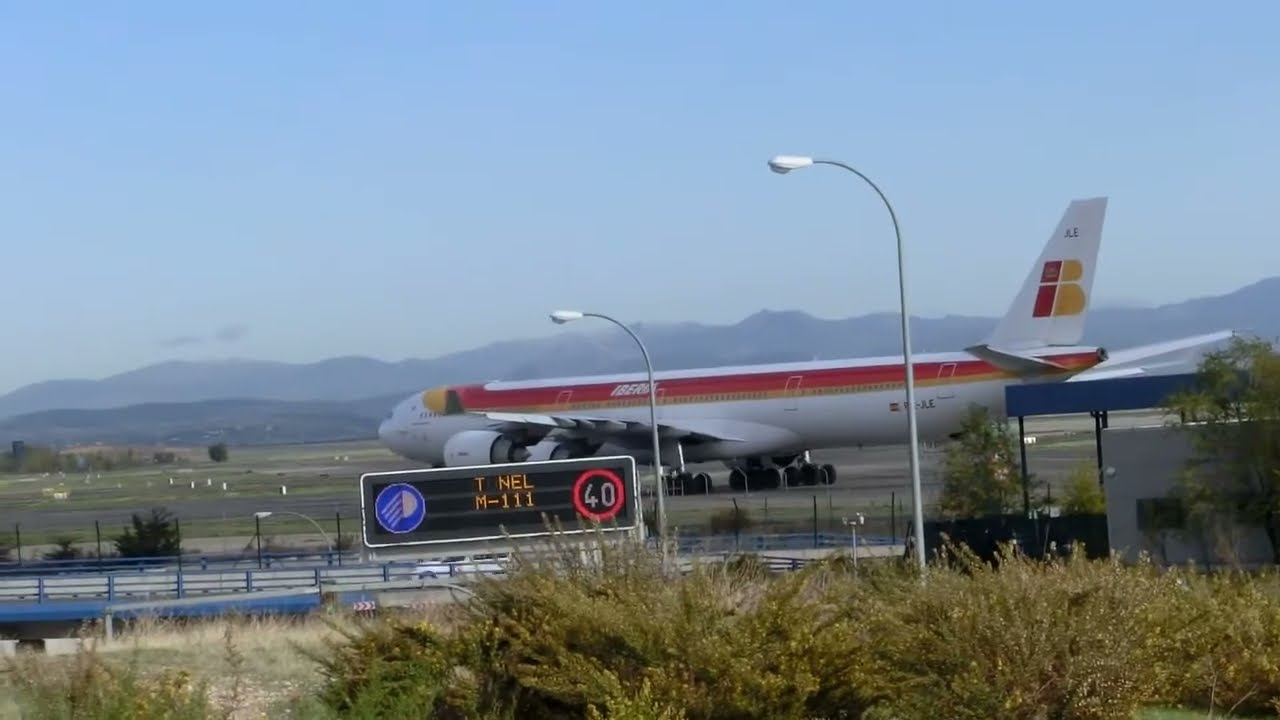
{"x": 720, "y": 642}
{"x": 386, "y": 669}
{"x": 1219, "y": 637}
{"x": 1025, "y": 639}
{"x": 1083, "y": 494}
{"x": 729, "y": 521}
{"x": 613, "y": 634}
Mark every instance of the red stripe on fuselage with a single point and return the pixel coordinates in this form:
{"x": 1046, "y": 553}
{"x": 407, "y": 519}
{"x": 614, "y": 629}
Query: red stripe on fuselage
{"x": 476, "y": 397}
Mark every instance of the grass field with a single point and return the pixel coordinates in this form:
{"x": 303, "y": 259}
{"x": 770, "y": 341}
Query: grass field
{"x": 320, "y": 483}
{"x": 252, "y": 667}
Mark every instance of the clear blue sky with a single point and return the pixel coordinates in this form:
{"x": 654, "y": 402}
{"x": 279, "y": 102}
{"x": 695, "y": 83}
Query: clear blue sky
{"x": 297, "y": 180}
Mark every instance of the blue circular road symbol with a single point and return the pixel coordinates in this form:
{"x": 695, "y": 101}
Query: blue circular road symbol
{"x": 400, "y": 508}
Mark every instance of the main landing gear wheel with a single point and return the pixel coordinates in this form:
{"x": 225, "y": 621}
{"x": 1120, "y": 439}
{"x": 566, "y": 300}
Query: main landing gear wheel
{"x": 686, "y": 483}
{"x": 811, "y": 474}
{"x": 755, "y": 479}
{"x": 828, "y": 474}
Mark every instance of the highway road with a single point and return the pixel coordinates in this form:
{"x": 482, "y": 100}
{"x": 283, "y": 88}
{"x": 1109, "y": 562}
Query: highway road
{"x": 168, "y": 583}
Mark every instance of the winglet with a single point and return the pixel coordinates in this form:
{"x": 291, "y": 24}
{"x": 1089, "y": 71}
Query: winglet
{"x": 1051, "y": 307}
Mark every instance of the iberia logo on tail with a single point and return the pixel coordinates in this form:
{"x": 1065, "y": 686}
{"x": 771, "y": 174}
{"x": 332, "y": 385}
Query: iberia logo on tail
{"x": 1060, "y": 292}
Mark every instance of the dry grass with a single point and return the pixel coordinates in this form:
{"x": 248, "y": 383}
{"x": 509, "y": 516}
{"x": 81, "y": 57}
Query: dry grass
{"x": 248, "y": 667}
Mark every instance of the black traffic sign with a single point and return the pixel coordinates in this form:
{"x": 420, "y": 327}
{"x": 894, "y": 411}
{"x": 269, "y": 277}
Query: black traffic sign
{"x": 460, "y": 504}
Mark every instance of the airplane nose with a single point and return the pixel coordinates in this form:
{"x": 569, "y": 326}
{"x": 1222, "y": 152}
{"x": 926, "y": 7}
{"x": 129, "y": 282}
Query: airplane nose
{"x": 384, "y": 431}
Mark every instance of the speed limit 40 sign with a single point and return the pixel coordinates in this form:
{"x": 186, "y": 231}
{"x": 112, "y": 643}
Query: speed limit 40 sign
{"x": 599, "y": 494}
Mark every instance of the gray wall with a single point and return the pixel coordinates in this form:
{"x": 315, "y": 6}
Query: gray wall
{"x": 1147, "y": 463}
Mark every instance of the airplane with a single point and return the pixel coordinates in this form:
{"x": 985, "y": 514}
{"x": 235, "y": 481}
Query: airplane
{"x": 763, "y": 421}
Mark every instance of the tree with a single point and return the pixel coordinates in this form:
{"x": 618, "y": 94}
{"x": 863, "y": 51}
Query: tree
{"x": 1233, "y": 417}
{"x": 980, "y": 470}
{"x": 218, "y": 452}
{"x": 64, "y": 548}
{"x": 1083, "y": 494}
{"x": 156, "y": 536}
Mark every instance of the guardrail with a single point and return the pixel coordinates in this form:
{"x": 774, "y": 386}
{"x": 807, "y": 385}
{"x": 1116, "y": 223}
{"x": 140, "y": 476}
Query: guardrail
{"x": 165, "y": 584}
{"x": 202, "y": 562}
{"x": 289, "y": 591}
{"x": 241, "y": 561}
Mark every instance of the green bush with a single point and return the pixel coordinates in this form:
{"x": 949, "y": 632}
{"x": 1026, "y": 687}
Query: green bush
{"x": 1219, "y": 640}
{"x": 610, "y": 634}
{"x": 387, "y": 669}
{"x": 1020, "y": 640}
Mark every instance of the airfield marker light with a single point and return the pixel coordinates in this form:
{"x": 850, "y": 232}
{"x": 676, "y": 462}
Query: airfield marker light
{"x": 561, "y": 317}
{"x": 783, "y": 164}
{"x": 853, "y": 523}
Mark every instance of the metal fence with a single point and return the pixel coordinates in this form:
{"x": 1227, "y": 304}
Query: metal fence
{"x": 801, "y": 514}
{"x": 335, "y": 542}
{"x": 794, "y": 512}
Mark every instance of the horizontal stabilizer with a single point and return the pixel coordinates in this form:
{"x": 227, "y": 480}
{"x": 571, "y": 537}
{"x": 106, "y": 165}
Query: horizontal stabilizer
{"x": 1014, "y": 362}
{"x": 1173, "y": 356}
{"x": 1123, "y": 372}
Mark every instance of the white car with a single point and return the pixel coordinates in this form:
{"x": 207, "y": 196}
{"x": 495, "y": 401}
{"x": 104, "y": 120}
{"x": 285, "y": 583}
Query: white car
{"x": 456, "y": 565}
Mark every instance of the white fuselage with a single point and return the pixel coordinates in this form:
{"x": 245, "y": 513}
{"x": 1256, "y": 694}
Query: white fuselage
{"x": 759, "y": 427}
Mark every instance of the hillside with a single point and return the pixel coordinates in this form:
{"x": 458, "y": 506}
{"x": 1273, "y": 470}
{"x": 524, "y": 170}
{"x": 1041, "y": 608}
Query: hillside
{"x": 344, "y": 397}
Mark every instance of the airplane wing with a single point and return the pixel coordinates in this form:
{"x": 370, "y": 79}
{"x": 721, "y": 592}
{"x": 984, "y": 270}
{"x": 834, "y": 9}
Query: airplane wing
{"x": 1182, "y": 356}
{"x": 691, "y": 429}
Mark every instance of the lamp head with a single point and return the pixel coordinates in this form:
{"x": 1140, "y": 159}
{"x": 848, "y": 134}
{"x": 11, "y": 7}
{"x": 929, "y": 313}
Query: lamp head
{"x": 561, "y": 317}
{"x": 783, "y": 164}
{"x": 262, "y": 514}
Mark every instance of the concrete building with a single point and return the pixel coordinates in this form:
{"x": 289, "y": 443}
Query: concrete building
{"x": 1140, "y": 467}
{"x": 1143, "y": 467}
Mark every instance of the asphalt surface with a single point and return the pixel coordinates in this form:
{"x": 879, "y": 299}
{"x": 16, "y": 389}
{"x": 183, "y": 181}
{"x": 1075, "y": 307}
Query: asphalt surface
{"x": 867, "y": 480}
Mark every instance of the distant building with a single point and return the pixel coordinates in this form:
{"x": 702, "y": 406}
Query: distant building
{"x": 1143, "y": 467}
{"x": 19, "y": 453}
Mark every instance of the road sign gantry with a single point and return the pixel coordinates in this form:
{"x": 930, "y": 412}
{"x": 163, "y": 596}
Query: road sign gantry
{"x": 494, "y": 502}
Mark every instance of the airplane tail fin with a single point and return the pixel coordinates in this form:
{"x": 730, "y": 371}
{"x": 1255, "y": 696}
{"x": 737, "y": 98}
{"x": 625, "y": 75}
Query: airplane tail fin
{"x": 1050, "y": 309}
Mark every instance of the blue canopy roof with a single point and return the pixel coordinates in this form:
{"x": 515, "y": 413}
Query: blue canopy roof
{"x": 1063, "y": 398}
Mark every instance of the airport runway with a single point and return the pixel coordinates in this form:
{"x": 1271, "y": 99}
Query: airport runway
{"x": 867, "y": 480}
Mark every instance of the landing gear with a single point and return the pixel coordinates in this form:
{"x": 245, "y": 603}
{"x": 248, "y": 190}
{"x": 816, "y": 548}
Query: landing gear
{"x": 758, "y": 478}
{"x": 687, "y": 483}
{"x": 683, "y": 482}
{"x": 810, "y": 474}
{"x": 798, "y": 470}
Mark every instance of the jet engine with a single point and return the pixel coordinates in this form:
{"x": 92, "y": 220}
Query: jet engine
{"x": 550, "y": 449}
{"x": 482, "y": 447}
{"x": 562, "y": 449}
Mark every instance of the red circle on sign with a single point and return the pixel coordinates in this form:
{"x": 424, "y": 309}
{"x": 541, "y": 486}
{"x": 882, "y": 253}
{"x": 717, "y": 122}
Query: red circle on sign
{"x": 581, "y": 506}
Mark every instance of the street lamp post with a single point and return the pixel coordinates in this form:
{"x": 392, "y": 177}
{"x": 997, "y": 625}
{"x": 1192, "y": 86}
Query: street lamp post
{"x": 261, "y": 514}
{"x": 561, "y": 317}
{"x": 257, "y": 536}
{"x": 786, "y": 163}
